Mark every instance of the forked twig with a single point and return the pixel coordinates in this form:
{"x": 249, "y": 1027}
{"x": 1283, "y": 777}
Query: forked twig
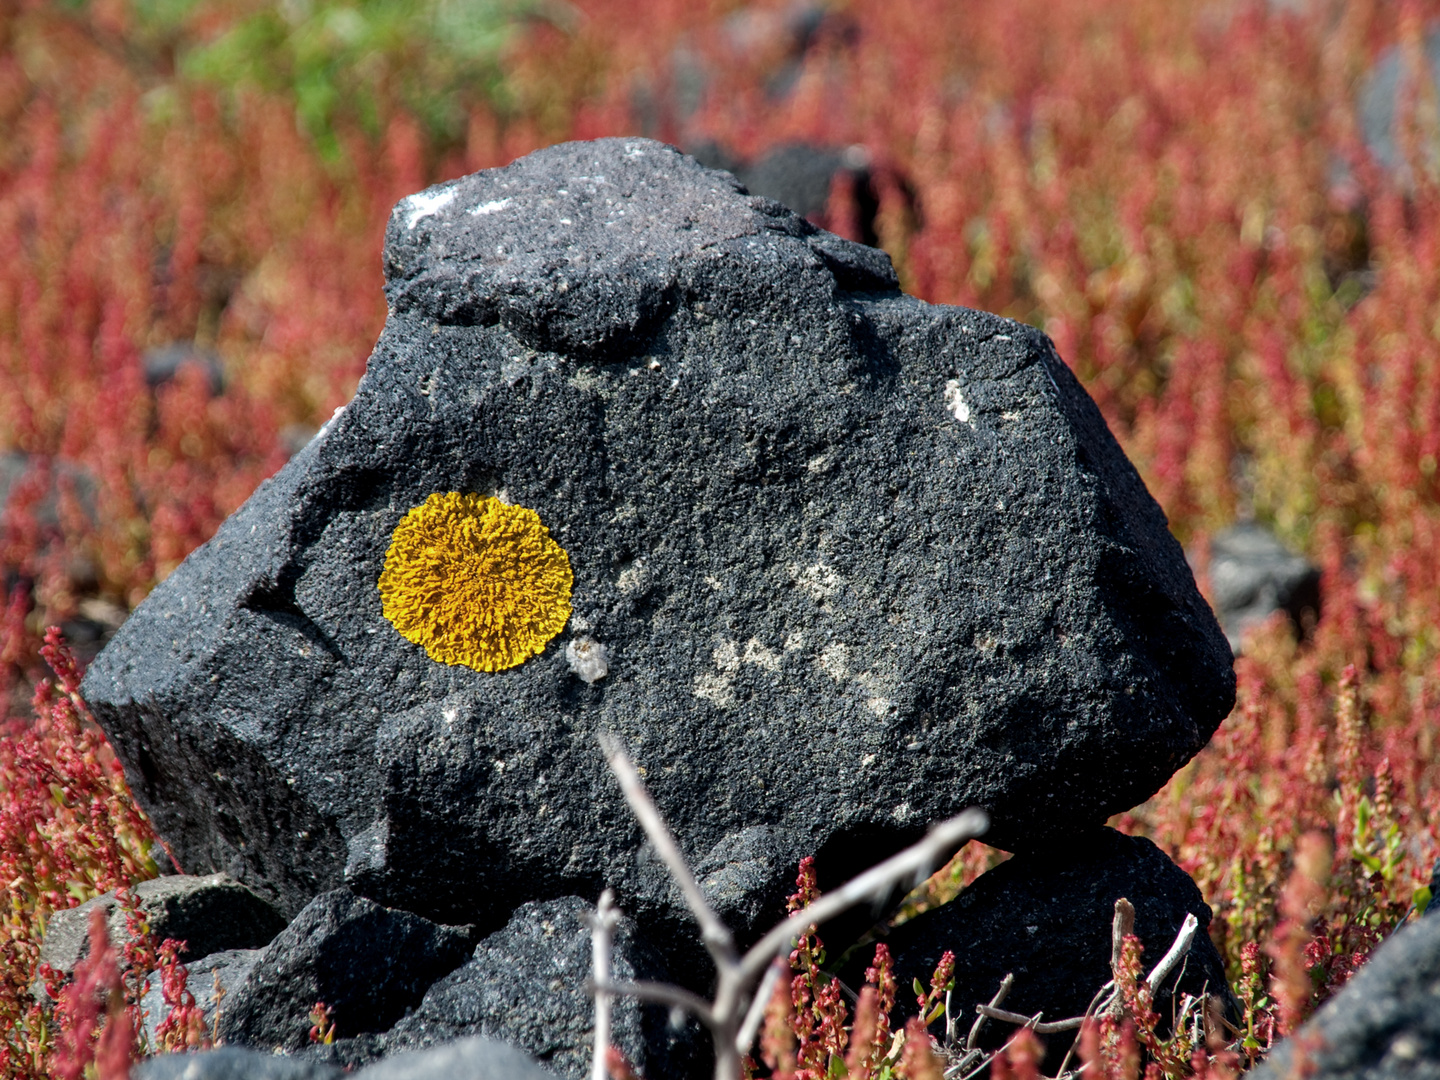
{"x": 733, "y": 1017}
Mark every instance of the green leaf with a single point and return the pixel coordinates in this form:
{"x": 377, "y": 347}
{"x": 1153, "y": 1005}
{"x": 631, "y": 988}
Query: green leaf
{"x": 1421, "y": 899}
{"x": 919, "y": 989}
{"x": 935, "y": 1014}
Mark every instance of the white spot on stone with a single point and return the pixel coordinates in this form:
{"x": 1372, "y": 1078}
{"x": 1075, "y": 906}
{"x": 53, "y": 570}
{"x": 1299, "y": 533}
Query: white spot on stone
{"x": 819, "y": 463}
{"x": 835, "y": 661}
{"x": 588, "y": 659}
{"x": 490, "y": 207}
{"x": 795, "y": 641}
{"x": 423, "y": 204}
{"x": 713, "y": 582}
{"x": 761, "y": 656}
{"x": 450, "y": 714}
{"x": 715, "y": 689}
{"x": 329, "y": 423}
{"x": 902, "y": 812}
{"x": 879, "y": 706}
{"x": 727, "y": 657}
{"x": 955, "y": 402}
{"x": 633, "y": 579}
{"x": 818, "y": 581}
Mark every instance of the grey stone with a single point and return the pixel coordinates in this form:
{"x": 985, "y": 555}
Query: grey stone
{"x": 368, "y": 963}
{"x": 210, "y": 914}
{"x": 1046, "y": 919}
{"x": 232, "y": 1063}
{"x": 1385, "y": 1023}
{"x": 225, "y": 970}
{"x": 466, "y": 1059}
{"x": 525, "y": 985}
{"x": 1253, "y": 575}
{"x": 858, "y": 562}
{"x": 1382, "y": 89}
{"x": 164, "y": 363}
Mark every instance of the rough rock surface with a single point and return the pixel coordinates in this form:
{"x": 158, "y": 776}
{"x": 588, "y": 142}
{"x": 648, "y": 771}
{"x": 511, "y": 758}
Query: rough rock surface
{"x": 465, "y": 1059}
{"x": 525, "y": 985}
{"x": 232, "y": 1063}
{"x": 210, "y": 914}
{"x": 1385, "y": 1024}
{"x": 1253, "y": 575}
{"x": 368, "y": 963}
{"x": 1046, "y": 918}
{"x": 857, "y": 562}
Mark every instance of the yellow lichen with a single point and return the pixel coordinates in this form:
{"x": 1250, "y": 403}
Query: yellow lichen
{"x": 474, "y": 581}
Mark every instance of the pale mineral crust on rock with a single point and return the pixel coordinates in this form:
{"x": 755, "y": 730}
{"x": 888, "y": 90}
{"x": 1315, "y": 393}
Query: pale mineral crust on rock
{"x": 858, "y": 563}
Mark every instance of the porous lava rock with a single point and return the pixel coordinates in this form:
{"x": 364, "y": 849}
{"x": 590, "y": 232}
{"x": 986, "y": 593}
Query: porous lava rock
{"x": 233, "y": 1063}
{"x": 1385, "y": 1023}
{"x": 1046, "y": 918}
{"x": 365, "y": 961}
{"x": 857, "y": 563}
{"x": 465, "y": 1059}
{"x": 525, "y": 985}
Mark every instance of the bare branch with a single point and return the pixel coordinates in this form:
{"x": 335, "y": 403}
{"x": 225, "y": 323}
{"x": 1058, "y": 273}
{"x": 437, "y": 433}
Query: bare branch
{"x": 713, "y": 932}
{"x": 1000, "y": 995}
{"x": 942, "y": 839}
{"x": 663, "y": 993}
{"x": 602, "y": 928}
{"x": 1180, "y": 947}
{"x": 1120, "y": 929}
{"x": 1032, "y": 1022}
{"x": 766, "y": 990}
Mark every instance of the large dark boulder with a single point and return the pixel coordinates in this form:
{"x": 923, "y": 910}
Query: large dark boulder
{"x": 856, "y": 562}
{"x": 1046, "y": 917}
{"x": 525, "y": 986}
{"x": 1385, "y": 1024}
{"x": 366, "y": 962}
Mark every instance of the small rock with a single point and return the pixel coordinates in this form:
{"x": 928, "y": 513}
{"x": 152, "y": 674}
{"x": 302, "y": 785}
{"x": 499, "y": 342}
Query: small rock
{"x": 367, "y": 962}
{"x": 1253, "y": 575}
{"x": 526, "y": 985}
{"x": 1387, "y": 84}
{"x": 232, "y": 1063}
{"x": 466, "y": 1059}
{"x": 1046, "y": 918}
{"x": 165, "y": 362}
{"x": 1384, "y": 1025}
{"x": 226, "y": 969}
{"x": 210, "y": 914}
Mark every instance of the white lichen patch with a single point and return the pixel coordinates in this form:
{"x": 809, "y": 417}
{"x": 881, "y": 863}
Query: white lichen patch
{"x": 818, "y": 581}
{"x": 588, "y": 659}
{"x": 795, "y": 642}
{"x": 634, "y": 579}
{"x": 835, "y": 661}
{"x": 955, "y": 401}
{"x": 726, "y": 657}
{"x": 717, "y": 689}
{"x": 424, "y": 204}
{"x": 490, "y": 207}
{"x": 761, "y": 656}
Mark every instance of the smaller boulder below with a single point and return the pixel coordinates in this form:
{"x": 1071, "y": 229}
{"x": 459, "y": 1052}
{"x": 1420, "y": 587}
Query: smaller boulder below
{"x": 368, "y": 963}
{"x": 1253, "y": 575}
{"x": 210, "y": 914}
{"x": 225, "y": 970}
{"x": 1385, "y": 1024}
{"x": 526, "y": 985}
{"x": 232, "y": 1063}
{"x": 1046, "y": 916}
{"x": 465, "y": 1059}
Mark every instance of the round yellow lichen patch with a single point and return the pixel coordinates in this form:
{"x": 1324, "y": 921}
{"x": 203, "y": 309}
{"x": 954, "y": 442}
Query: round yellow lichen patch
{"x": 476, "y": 582}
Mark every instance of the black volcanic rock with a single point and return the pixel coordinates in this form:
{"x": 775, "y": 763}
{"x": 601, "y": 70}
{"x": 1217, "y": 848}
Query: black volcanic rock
{"x": 856, "y": 562}
{"x": 525, "y": 985}
{"x": 1385, "y": 1023}
{"x": 367, "y": 962}
{"x": 1045, "y": 917}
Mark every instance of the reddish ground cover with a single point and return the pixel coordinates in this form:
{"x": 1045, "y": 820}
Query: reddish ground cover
{"x": 1178, "y": 194}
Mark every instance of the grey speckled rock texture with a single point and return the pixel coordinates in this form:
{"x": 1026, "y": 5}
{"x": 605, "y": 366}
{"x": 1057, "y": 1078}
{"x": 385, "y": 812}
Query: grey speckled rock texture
{"x": 232, "y": 1063}
{"x": 858, "y": 562}
{"x": 368, "y": 963}
{"x": 525, "y": 985}
{"x": 1385, "y": 1024}
{"x": 1046, "y": 918}
{"x": 465, "y": 1059}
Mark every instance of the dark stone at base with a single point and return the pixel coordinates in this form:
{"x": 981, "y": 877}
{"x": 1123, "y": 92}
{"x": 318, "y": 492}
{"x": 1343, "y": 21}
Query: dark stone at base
{"x": 367, "y": 962}
{"x": 1046, "y": 918}
{"x": 210, "y": 914}
{"x": 526, "y": 986}
{"x": 228, "y": 968}
{"x": 467, "y": 1059}
{"x": 1384, "y": 1025}
{"x": 232, "y": 1063}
